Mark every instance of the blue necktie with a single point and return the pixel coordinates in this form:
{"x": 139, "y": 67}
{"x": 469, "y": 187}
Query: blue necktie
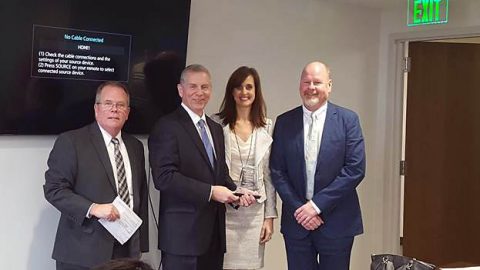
{"x": 206, "y": 141}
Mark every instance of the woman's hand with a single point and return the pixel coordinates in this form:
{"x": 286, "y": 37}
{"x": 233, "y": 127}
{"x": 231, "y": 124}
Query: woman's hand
{"x": 267, "y": 231}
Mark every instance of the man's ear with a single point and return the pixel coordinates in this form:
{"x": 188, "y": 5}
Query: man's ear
{"x": 180, "y": 90}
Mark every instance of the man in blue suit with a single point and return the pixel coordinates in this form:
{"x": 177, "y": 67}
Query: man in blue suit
{"x": 317, "y": 161}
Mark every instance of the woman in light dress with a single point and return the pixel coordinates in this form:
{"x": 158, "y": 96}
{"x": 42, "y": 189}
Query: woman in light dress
{"x": 247, "y": 145}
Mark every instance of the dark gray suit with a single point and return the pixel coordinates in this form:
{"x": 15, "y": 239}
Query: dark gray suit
{"x": 188, "y": 222}
{"x": 79, "y": 174}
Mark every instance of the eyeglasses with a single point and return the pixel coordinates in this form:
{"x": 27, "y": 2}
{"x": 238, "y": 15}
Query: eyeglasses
{"x": 108, "y": 105}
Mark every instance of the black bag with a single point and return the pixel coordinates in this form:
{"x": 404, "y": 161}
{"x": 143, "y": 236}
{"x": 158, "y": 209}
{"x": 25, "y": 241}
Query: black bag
{"x": 397, "y": 262}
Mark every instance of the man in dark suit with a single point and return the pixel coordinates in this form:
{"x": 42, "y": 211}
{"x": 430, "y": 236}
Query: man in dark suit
{"x": 87, "y": 169}
{"x": 317, "y": 161}
{"x": 187, "y": 155}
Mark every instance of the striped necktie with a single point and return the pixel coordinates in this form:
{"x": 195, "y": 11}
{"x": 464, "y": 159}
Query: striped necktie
{"x": 121, "y": 176}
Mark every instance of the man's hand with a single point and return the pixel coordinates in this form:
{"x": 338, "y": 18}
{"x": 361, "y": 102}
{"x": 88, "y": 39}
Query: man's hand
{"x": 267, "y": 231}
{"x": 308, "y": 217}
{"x": 105, "y": 211}
{"x": 313, "y": 223}
{"x": 247, "y": 198}
{"x": 222, "y": 194}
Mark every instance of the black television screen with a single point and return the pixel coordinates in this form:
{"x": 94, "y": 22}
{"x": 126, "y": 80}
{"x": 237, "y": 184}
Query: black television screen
{"x": 55, "y": 53}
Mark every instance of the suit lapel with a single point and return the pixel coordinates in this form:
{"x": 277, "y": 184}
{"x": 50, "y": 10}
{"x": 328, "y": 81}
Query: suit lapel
{"x": 328, "y": 131}
{"x": 188, "y": 125}
{"x": 297, "y": 128}
{"x": 134, "y": 168}
{"x": 216, "y": 140}
{"x": 99, "y": 144}
{"x": 262, "y": 144}
{"x": 228, "y": 143}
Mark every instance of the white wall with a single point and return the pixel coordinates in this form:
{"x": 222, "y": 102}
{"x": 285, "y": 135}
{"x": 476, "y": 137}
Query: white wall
{"x": 277, "y": 37}
{"x": 29, "y": 223}
{"x": 27, "y": 232}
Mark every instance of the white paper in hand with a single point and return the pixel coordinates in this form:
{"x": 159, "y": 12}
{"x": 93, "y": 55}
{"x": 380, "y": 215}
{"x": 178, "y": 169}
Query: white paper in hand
{"x": 124, "y": 227}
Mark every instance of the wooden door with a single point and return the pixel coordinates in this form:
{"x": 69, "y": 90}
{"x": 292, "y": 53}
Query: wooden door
{"x": 442, "y": 182}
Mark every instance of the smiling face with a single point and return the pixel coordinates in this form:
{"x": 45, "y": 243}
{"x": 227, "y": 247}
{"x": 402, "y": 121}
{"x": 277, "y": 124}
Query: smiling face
{"x": 195, "y": 90}
{"x": 315, "y": 85}
{"x": 244, "y": 95}
{"x": 111, "y": 110}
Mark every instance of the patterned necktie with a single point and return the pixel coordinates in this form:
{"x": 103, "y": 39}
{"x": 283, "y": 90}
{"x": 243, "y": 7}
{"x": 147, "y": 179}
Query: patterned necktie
{"x": 121, "y": 176}
{"x": 206, "y": 141}
{"x": 311, "y": 154}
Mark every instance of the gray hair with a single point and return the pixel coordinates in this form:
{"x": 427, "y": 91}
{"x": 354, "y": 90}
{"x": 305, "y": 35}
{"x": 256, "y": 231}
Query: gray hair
{"x": 194, "y": 68}
{"x": 111, "y": 83}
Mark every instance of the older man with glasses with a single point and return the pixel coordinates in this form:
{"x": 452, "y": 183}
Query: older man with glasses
{"x": 87, "y": 169}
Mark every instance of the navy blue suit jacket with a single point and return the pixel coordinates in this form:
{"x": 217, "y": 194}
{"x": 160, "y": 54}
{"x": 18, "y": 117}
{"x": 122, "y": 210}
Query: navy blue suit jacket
{"x": 340, "y": 168}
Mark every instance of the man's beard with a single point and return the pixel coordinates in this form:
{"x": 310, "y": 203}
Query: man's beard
{"x": 312, "y": 101}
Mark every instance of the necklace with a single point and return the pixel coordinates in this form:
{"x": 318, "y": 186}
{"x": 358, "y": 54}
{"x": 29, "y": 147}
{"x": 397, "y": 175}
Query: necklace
{"x": 252, "y": 137}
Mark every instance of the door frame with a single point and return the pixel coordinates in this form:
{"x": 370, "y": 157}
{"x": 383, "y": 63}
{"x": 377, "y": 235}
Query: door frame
{"x": 395, "y": 104}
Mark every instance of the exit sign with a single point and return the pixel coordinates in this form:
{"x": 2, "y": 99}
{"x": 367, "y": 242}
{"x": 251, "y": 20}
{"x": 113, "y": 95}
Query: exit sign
{"x": 422, "y": 12}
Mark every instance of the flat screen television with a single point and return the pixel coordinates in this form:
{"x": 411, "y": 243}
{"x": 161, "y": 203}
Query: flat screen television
{"x": 55, "y": 53}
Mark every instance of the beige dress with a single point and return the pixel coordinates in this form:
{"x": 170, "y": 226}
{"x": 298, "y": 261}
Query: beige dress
{"x": 243, "y": 226}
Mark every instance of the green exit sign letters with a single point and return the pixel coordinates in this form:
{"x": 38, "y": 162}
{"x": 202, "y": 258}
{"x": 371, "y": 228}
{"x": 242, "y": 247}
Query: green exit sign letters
{"x": 421, "y": 12}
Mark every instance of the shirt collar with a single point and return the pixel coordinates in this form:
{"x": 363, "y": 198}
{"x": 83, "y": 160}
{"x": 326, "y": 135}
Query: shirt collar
{"x": 195, "y": 118}
{"x": 108, "y": 138}
{"x": 317, "y": 113}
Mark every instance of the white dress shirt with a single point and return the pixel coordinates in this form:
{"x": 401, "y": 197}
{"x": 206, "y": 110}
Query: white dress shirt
{"x": 126, "y": 161}
{"x": 195, "y": 118}
{"x": 312, "y": 145}
{"x": 107, "y": 138}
